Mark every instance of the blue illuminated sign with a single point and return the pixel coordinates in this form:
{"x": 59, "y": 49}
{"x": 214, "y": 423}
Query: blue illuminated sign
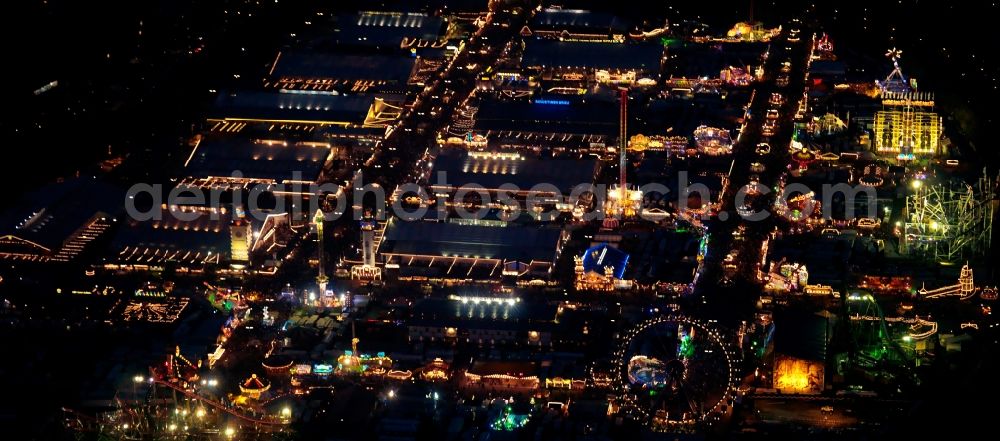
{"x": 553, "y": 102}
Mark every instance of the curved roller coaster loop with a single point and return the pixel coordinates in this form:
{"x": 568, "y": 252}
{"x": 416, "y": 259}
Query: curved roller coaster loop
{"x": 871, "y": 334}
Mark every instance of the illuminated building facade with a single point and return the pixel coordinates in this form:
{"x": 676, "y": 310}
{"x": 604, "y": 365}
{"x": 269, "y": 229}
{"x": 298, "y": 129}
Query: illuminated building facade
{"x": 506, "y": 376}
{"x": 58, "y": 222}
{"x": 347, "y": 73}
{"x": 495, "y": 172}
{"x": 482, "y": 320}
{"x": 793, "y": 375}
{"x": 240, "y": 237}
{"x": 391, "y": 30}
{"x": 673, "y": 144}
{"x": 581, "y": 64}
{"x": 449, "y": 251}
{"x": 800, "y": 350}
{"x": 171, "y": 236}
{"x": 601, "y": 268}
{"x": 303, "y": 111}
{"x": 576, "y": 25}
{"x": 907, "y": 126}
{"x": 284, "y": 167}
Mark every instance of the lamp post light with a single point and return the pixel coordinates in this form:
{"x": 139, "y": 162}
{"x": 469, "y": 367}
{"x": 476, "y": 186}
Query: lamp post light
{"x": 135, "y": 381}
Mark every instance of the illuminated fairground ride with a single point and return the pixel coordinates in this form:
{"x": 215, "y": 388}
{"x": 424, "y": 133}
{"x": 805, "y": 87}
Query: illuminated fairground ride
{"x": 874, "y": 176}
{"x": 949, "y": 221}
{"x": 879, "y": 340}
{"x": 823, "y": 48}
{"x": 353, "y": 362}
{"x": 713, "y": 141}
{"x": 802, "y": 158}
{"x": 171, "y": 411}
{"x": 623, "y": 202}
{"x": 750, "y": 32}
{"x": 675, "y": 371}
{"x": 896, "y": 81}
{"x": 799, "y": 209}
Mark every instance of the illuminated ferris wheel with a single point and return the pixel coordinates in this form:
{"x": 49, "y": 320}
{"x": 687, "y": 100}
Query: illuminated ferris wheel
{"x": 676, "y": 371}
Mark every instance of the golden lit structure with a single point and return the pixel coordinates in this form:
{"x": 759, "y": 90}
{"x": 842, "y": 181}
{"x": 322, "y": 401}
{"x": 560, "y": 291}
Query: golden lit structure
{"x": 302, "y": 110}
{"x": 623, "y": 202}
{"x": 793, "y": 375}
{"x": 436, "y": 370}
{"x": 399, "y": 375}
{"x": 240, "y": 236}
{"x": 657, "y": 143}
{"x": 593, "y": 281}
{"x": 507, "y": 376}
{"x": 751, "y": 32}
{"x": 601, "y": 268}
{"x": 713, "y": 141}
{"x": 907, "y": 125}
{"x": 349, "y": 362}
{"x": 277, "y": 366}
{"x": 565, "y": 383}
{"x": 965, "y": 288}
{"x": 827, "y": 124}
{"x": 254, "y": 387}
{"x": 321, "y": 278}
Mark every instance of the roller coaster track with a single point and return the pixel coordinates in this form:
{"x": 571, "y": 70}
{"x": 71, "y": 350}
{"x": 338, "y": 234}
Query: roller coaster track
{"x": 219, "y": 406}
{"x": 864, "y": 308}
{"x": 915, "y": 323}
{"x": 946, "y": 291}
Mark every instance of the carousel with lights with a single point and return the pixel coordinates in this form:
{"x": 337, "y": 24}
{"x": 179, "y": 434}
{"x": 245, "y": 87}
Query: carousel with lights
{"x": 252, "y": 391}
{"x": 353, "y": 362}
{"x": 435, "y": 371}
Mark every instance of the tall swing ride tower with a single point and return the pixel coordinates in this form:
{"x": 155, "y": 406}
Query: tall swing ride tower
{"x": 623, "y": 202}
